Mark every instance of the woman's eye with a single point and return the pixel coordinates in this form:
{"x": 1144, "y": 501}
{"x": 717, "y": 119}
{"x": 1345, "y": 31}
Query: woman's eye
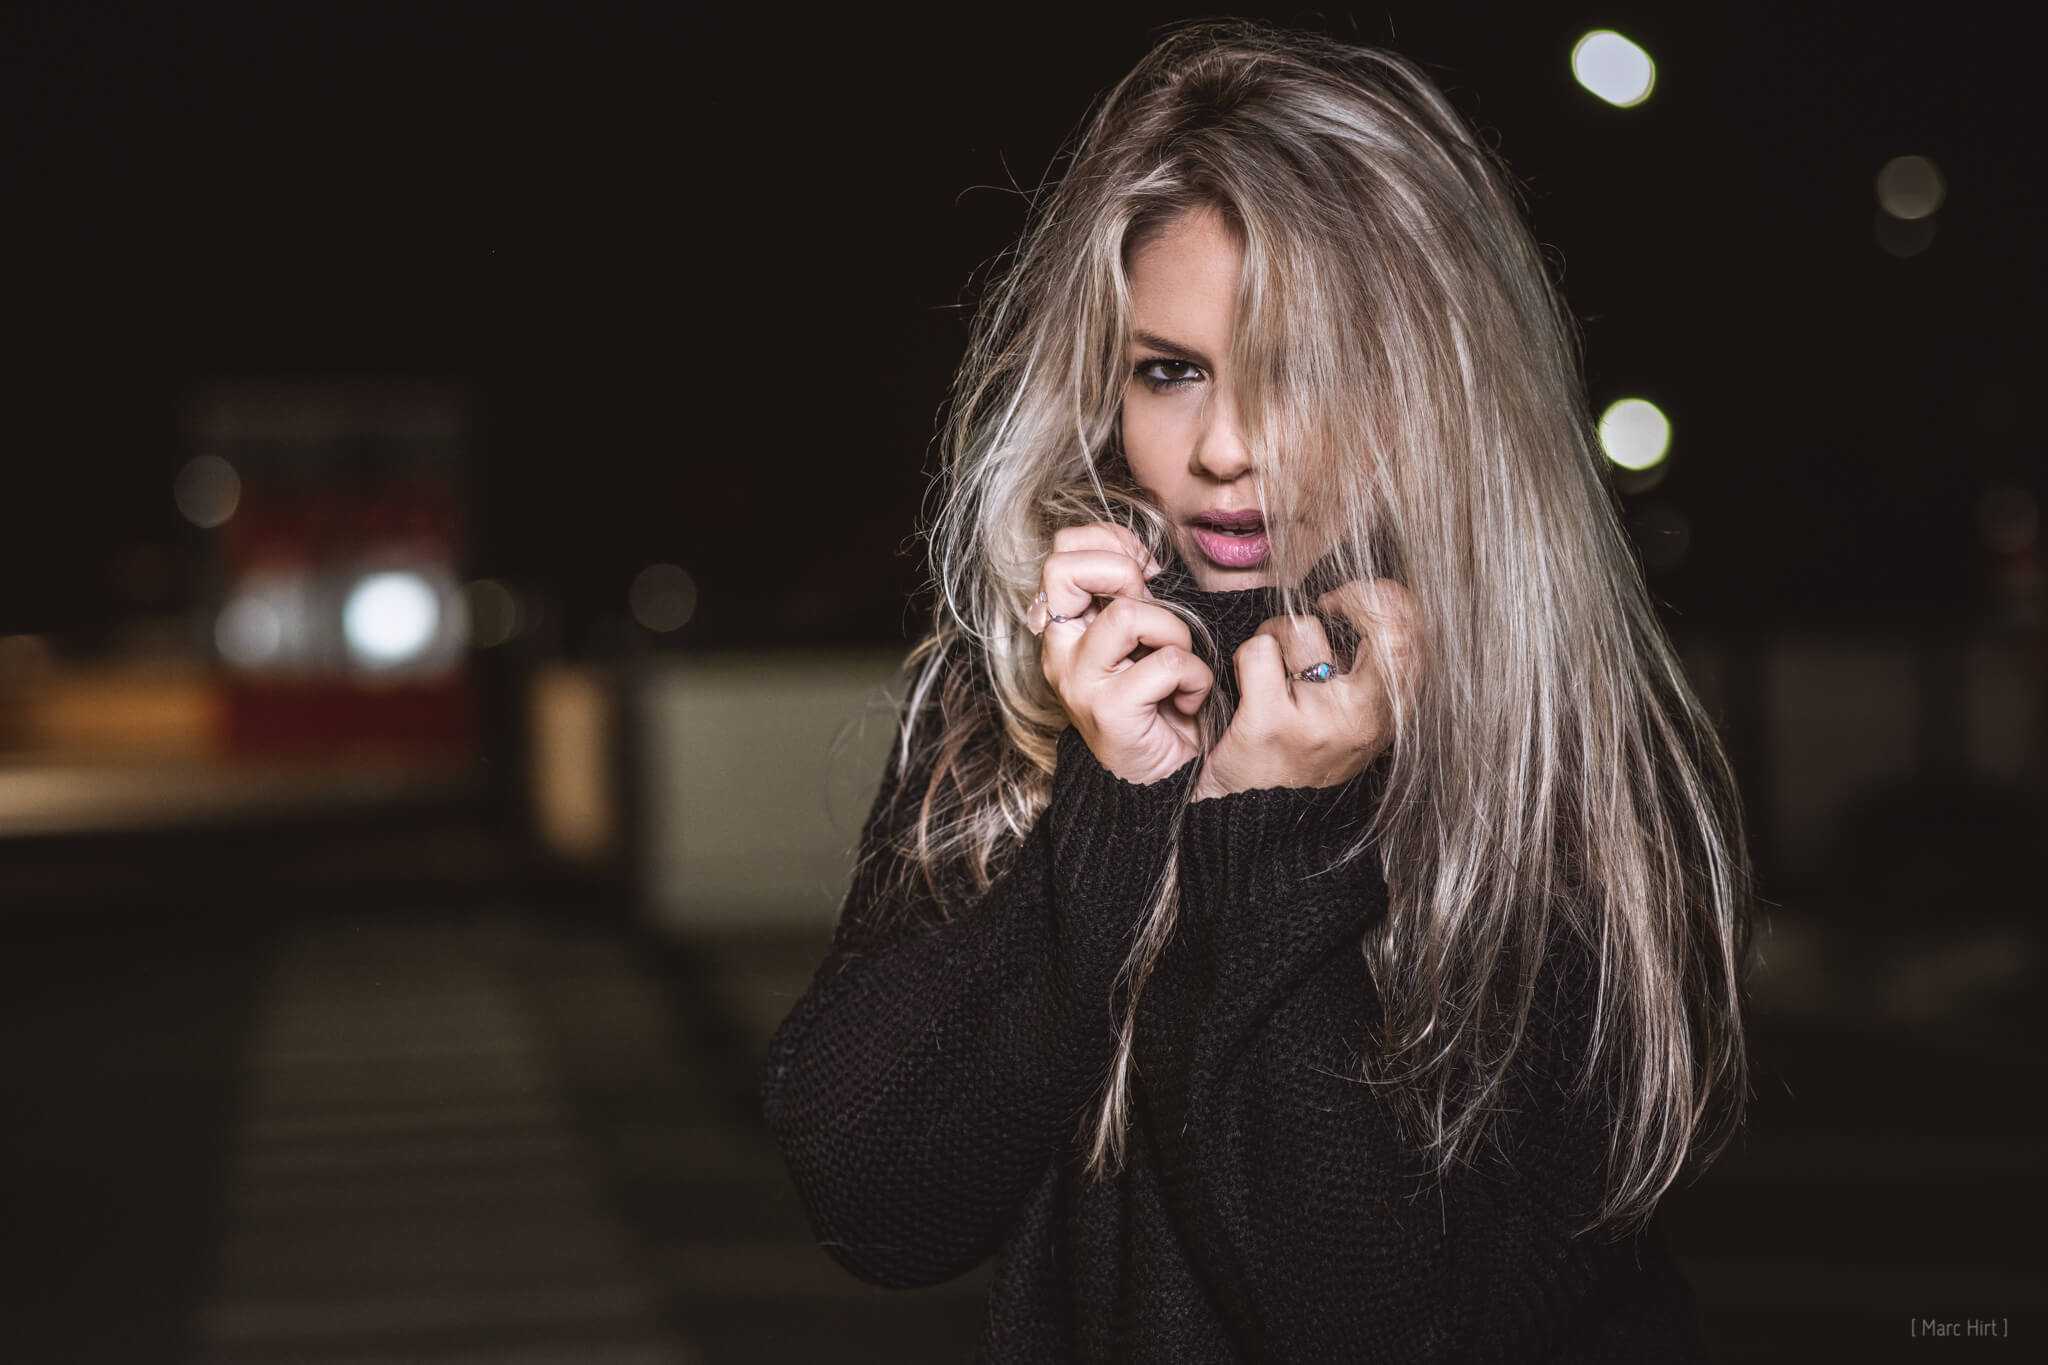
{"x": 1166, "y": 374}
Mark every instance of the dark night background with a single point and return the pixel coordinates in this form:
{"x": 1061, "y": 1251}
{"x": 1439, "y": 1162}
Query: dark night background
{"x": 705, "y": 278}
{"x": 707, "y": 273}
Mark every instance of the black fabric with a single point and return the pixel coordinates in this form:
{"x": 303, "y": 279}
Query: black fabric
{"x": 930, "y": 1089}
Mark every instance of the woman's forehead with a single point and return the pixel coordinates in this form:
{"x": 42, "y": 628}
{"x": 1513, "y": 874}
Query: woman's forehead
{"x": 1184, "y": 281}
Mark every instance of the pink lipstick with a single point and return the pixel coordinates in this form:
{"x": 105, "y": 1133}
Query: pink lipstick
{"x": 1232, "y": 540}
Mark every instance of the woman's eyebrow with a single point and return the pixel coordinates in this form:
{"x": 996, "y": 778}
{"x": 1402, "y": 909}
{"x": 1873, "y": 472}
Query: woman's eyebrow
{"x": 1168, "y": 344}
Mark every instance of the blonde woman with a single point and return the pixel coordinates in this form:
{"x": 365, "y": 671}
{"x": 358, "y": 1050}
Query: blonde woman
{"x": 1303, "y": 914}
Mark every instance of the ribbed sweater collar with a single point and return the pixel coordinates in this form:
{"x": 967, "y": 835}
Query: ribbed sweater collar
{"x": 1235, "y": 616}
{"x": 1232, "y": 617}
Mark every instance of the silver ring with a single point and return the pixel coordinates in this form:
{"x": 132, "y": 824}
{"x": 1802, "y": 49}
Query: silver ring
{"x": 1321, "y": 672}
{"x": 1050, "y": 614}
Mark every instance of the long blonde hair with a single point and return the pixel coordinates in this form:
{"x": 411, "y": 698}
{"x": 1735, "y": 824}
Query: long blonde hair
{"x": 1404, "y": 358}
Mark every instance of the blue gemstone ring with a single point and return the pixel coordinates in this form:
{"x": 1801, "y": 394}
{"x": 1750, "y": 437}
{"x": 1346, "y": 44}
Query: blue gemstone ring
{"x": 1320, "y": 673}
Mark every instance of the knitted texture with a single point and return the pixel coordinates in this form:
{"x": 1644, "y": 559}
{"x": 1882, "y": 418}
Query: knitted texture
{"x": 929, "y": 1089}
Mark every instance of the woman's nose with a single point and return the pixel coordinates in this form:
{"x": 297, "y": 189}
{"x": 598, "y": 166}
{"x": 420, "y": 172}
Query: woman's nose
{"x": 1220, "y": 448}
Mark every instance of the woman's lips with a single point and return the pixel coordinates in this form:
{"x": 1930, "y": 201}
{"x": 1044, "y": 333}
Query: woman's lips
{"x": 1231, "y": 552}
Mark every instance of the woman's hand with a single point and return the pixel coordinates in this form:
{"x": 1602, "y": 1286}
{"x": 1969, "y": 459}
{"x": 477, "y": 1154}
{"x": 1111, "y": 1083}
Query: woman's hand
{"x": 1136, "y": 715}
{"x": 1292, "y": 732}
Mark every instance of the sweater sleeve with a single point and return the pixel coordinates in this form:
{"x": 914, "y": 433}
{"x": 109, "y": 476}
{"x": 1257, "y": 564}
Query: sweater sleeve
{"x": 936, "y": 1065}
{"x": 1333, "y": 1241}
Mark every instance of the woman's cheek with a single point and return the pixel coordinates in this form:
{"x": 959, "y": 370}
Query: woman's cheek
{"x": 1157, "y": 432}
{"x": 1141, "y": 441}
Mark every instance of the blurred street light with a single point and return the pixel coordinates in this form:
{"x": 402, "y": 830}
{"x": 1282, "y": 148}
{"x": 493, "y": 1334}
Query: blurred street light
{"x": 207, "y": 491}
{"x": 1635, "y": 433}
{"x": 1614, "y": 68}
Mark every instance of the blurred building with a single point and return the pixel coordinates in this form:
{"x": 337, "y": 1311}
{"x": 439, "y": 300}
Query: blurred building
{"x": 338, "y": 617}
{"x": 317, "y": 650}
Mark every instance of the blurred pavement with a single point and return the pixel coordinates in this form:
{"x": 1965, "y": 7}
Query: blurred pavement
{"x": 484, "y": 1119}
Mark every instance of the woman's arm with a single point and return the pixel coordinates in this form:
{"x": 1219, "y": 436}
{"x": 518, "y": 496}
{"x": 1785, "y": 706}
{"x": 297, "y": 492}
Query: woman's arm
{"x": 922, "y": 1084}
{"x": 1334, "y": 1243}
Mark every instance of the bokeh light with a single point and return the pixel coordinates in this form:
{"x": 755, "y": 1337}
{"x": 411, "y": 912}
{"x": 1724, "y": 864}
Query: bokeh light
{"x": 1909, "y": 190}
{"x": 492, "y": 613}
{"x": 390, "y": 618}
{"x": 207, "y": 491}
{"x": 1614, "y": 68}
{"x": 663, "y": 597}
{"x": 1635, "y": 433}
{"x": 1910, "y": 187}
{"x": 248, "y": 632}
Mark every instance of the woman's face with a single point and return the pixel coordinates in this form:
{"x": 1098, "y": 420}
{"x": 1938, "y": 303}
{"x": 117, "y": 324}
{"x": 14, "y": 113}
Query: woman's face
{"x": 1180, "y": 430}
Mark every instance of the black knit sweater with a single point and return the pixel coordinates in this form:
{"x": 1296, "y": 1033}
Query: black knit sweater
{"x": 929, "y": 1088}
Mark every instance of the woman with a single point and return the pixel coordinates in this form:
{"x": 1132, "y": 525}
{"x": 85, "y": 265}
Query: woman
{"x": 1302, "y": 917}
